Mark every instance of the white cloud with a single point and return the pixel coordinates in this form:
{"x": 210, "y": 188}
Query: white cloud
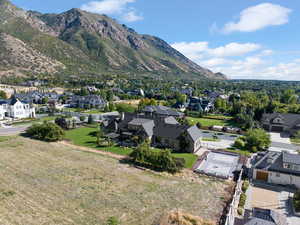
{"x": 196, "y": 50}
{"x": 192, "y": 50}
{"x": 240, "y": 60}
{"x": 113, "y": 7}
{"x": 258, "y": 17}
{"x": 132, "y": 17}
{"x": 266, "y": 52}
{"x": 234, "y": 49}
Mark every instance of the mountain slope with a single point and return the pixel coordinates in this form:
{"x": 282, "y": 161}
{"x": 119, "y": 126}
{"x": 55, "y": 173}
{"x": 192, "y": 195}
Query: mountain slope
{"x": 78, "y": 42}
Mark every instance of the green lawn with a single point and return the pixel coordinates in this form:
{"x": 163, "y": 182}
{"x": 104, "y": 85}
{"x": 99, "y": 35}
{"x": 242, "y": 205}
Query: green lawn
{"x": 82, "y": 137}
{"x": 211, "y": 139}
{"x": 73, "y": 110}
{"x": 3, "y": 139}
{"x": 189, "y": 158}
{"x": 217, "y": 116}
{"x": 295, "y": 141}
{"x": 241, "y": 152}
{"x": 30, "y": 121}
{"x": 207, "y": 122}
{"x": 93, "y": 111}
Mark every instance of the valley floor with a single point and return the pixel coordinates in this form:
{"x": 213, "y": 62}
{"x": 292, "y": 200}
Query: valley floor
{"x": 51, "y": 183}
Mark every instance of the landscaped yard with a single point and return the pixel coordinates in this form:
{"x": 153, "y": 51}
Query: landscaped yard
{"x": 29, "y": 121}
{"x": 82, "y": 137}
{"x": 210, "y": 122}
{"x": 50, "y": 183}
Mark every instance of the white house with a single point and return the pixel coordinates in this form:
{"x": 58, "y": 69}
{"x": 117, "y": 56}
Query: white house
{"x": 277, "y": 168}
{"x": 16, "y": 109}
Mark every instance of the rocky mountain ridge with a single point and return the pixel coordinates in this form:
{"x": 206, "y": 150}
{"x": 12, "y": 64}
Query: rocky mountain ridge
{"x": 79, "y": 42}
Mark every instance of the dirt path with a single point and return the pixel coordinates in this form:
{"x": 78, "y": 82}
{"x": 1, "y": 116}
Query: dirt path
{"x": 86, "y": 149}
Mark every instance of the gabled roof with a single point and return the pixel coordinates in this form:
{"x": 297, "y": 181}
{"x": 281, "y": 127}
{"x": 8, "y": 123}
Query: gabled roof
{"x": 289, "y": 119}
{"x": 194, "y": 133}
{"x": 290, "y": 158}
{"x": 273, "y": 161}
{"x": 171, "y": 131}
{"x": 258, "y": 221}
{"x": 170, "y": 120}
{"x": 162, "y": 110}
{"x": 267, "y": 217}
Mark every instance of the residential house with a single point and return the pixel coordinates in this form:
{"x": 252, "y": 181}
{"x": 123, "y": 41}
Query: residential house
{"x": 162, "y": 132}
{"x": 16, "y": 109}
{"x": 200, "y": 104}
{"x": 266, "y": 217}
{"x": 90, "y": 101}
{"x": 277, "y": 168}
{"x": 37, "y": 97}
{"x": 137, "y": 92}
{"x": 161, "y": 111}
{"x": 277, "y": 122}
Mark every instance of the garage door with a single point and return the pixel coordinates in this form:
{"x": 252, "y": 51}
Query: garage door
{"x": 262, "y": 176}
{"x": 277, "y": 129}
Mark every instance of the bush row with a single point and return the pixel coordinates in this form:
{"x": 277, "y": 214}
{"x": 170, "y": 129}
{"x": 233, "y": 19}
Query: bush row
{"x": 160, "y": 160}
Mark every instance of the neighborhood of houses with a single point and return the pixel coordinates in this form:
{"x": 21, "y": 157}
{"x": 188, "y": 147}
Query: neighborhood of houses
{"x": 276, "y": 169}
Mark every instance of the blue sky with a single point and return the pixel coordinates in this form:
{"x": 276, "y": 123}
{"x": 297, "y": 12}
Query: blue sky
{"x": 241, "y": 38}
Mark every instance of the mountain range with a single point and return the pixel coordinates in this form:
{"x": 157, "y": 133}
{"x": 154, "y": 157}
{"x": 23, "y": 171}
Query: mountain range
{"x": 80, "y": 43}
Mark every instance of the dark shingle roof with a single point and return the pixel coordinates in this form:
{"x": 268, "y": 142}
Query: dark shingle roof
{"x": 171, "y": 131}
{"x": 258, "y": 221}
{"x": 170, "y": 120}
{"x": 194, "y": 133}
{"x": 162, "y": 110}
{"x": 289, "y": 119}
{"x": 290, "y": 158}
{"x": 273, "y": 161}
{"x": 267, "y": 217}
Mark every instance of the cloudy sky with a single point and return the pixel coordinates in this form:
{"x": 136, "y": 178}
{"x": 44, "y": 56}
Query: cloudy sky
{"x": 248, "y": 39}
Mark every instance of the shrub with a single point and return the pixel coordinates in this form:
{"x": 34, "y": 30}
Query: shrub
{"x": 82, "y": 118}
{"x": 242, "y": 202}
{"x": 112, "y": 221}
{"x": 161, "y": 160}
{"x": 296, "y": 201}
{"x": 239, "y": 143}
{"x": 90, "y": 119}
{"x": 199, "y": 125}
{"x": 46, "y": 132}
{"x": 240, "y": 211}
{"x": 245, "y": 186}
{"x": 257, "y": 140}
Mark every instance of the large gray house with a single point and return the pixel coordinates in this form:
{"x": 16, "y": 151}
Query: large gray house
{"x": 161, "y": 111}
{"x": 161, "y": 132}
{"x": 277, "y": 168}
{"x": 277, "y": 122}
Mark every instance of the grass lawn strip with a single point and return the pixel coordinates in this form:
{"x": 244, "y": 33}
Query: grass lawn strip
{"x": 82, "y": 137}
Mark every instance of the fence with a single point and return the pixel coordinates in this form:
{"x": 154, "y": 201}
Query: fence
{"x": 235, "y": 200}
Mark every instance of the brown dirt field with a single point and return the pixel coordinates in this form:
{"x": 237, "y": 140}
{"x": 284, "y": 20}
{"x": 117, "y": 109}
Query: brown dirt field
{"x": 54, "y": 184}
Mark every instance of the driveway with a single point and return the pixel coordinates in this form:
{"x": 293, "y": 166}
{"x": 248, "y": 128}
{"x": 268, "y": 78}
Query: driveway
{"x": 277, "y": 198}
{"x": 280, "y": 138}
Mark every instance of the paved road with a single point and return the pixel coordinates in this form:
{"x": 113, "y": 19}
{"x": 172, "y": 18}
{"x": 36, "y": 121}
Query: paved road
{"x": 284, "y": 146}
{"x": 13, "y": 130}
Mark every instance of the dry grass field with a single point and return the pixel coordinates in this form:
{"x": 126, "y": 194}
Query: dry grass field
{"x": 52, "y": 184}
